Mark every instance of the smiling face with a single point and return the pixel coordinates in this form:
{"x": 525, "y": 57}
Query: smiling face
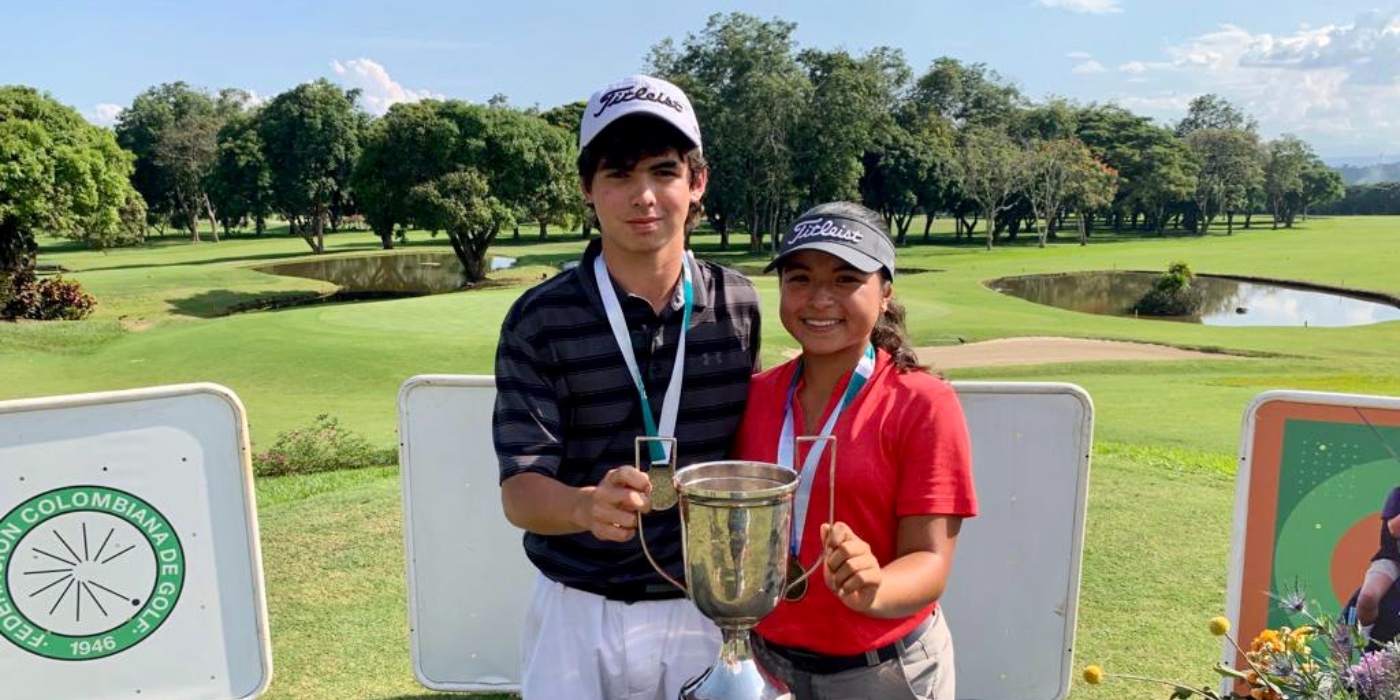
{"x": 829, "y": 306}
{"x": 642, "y": 209}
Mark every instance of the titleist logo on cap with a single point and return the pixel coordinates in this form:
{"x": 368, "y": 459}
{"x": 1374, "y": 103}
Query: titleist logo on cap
{"x": 632, "y": 93}
{"x": 822, "y": 228}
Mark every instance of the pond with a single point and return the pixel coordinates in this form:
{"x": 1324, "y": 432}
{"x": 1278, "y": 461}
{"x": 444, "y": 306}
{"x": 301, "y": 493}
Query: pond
{"x": 1228, "y": 302}
{"x": 403, "y": 274}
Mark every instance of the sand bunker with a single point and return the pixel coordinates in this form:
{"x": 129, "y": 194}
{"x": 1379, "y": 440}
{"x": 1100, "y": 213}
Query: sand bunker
{"x": 1042, "y": 351}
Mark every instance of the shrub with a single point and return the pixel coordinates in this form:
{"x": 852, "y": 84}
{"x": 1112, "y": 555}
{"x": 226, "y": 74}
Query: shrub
{"x": 22, "y": 295}
{"x": 1172, "y": 294}
{"x": 323, "y": 447}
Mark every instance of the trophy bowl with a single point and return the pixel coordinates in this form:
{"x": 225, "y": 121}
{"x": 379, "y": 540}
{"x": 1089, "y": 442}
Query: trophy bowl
{"x": 736, "y": 518}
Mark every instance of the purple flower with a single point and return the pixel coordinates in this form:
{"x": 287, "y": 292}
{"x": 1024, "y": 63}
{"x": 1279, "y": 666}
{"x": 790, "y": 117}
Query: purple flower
{"x": 1377, "y": 674}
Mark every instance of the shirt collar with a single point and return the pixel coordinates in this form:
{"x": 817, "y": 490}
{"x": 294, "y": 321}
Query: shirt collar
{"x": 702, "y": 288}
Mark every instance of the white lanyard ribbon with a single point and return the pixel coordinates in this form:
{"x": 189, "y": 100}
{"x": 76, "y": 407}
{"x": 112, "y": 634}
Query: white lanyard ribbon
{"x": 670, "y": 403}
{"x": 786, "y": 442}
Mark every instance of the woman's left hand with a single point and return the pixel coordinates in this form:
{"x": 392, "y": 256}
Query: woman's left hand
{"x": 851, "y": 570}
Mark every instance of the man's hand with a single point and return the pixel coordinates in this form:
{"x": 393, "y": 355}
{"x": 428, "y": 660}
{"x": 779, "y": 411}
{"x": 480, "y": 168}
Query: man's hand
{"x": 611, "y": 509}
{"x": 851, "y": 570}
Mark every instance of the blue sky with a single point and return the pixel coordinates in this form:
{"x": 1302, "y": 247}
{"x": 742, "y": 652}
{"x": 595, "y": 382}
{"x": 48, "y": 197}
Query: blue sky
{"x": 1326, "y": 71}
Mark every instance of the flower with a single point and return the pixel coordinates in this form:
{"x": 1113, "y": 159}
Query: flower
{"x": 1268, "y": 641}
{"x": 1219, "y": 626}
{"x": 1093, "y": 675}
{"x": 1314, "y": 658}
{"x": 1377, "y": 674}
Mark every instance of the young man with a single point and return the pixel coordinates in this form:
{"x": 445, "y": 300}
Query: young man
{"x": 639, "y": 339}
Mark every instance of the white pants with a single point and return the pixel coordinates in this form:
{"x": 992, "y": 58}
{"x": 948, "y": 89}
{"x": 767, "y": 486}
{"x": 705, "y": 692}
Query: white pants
{"x": 581, "y": 646}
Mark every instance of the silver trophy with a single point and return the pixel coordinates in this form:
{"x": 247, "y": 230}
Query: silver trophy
{"x": 736, "y": 518}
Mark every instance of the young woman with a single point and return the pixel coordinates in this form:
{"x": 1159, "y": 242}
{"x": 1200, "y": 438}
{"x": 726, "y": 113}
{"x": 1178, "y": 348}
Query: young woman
{"x": 868, "y": 624}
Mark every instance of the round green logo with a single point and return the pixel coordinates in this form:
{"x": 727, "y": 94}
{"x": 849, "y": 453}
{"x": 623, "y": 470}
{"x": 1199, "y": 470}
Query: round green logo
{"x": 86, "y": 572}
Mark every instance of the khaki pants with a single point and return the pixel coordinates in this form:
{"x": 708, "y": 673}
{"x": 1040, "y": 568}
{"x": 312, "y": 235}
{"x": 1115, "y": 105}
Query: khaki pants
{"x": 923, "y": 671}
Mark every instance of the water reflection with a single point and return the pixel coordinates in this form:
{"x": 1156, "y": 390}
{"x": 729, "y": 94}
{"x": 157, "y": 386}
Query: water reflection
{"x": 410, "y": 274}
{"x": 1227, "y": 302}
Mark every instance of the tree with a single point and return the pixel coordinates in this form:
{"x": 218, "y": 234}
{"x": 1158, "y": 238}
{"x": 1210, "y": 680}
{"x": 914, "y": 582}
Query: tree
{"x": 991, "y": 170}
{"x": 1056, "y": 119}
{"x": 907, "y": 171}
{"x": 1289, "y": 156}
{"x": 1091, "y": 188}
{"x": 461, "y": 204}
{"x": 410, "y": 145}
{"x": 566, "y": 116}
{"x": 741, "y": 74}
{"x": 185, "y": 151}
{"x": 965, "y": 94}
{"x": 1227, "y": 165}
{"x": 1052, "y": 173}
{"x": 1155, "y": 168}
{"x": 525, "y": 165}
{"x": 167, "y": 111}
{"x": 530, "y": 165}
{"x": 851, "y": 105}
{"x": 310, "y": 143}
{"x": 240, "y": 185}
{"x": 1211, "y": 111}
{"x": 1321, "y": 186}
{"x": 60, "y": 175}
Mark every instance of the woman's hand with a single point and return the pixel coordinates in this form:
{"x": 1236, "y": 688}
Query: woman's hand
{"x": 851, "y": 570}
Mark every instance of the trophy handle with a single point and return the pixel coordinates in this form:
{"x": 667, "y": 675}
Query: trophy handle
{"x": 663, "y": 482}
{"x": 830, "y": 501}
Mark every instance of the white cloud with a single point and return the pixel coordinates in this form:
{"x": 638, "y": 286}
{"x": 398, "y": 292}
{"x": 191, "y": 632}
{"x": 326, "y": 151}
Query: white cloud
{"x": 1368, "y": 48}
{"x": 104, "y": 114}
{"x": 1335, "y": 85}
{"x": 378, "y": 90}
{"x": 1139, "y": 67}
{"x": 1079, "y": 55}
{"x": 1158, "y": 105}
{"x": 1089, "y": 66}
{"x": 1088, "y": 7}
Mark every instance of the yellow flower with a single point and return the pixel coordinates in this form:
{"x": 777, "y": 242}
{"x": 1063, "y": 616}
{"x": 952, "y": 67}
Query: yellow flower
{"x": 1219, "y": 626}
{"x": 1297, "y": 640}
{"x": 1093, "y": 675}
{"x": 1268, "y": 640}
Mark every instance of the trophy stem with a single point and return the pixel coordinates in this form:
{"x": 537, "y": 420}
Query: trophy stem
{"x": 735, "y": 647}
{"x": 735, "y": 675}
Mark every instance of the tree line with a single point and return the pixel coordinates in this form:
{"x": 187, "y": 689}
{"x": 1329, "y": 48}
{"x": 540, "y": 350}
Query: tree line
{"x": 785, "y": 127}
{"x": 788, "y": 127}
{"x": 1382, "y": 198}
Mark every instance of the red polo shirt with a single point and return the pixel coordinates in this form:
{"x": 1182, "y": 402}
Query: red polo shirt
{"x": 903, "y": 450}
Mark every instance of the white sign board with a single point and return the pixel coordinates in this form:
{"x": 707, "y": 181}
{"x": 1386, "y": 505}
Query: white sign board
{"x": 129, "y": 561}
{"x": 1015, "y": 583}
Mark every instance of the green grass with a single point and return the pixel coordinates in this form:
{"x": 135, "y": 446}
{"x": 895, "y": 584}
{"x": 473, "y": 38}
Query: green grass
{"x": 1162, "y": 487}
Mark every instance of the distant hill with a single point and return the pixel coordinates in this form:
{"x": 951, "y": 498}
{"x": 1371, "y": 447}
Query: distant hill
{"x": 1370, "y": 174}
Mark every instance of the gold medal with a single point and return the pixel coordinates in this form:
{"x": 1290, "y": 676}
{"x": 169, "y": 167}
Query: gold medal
{"x": 793, "y": 593}
{"x": 663, "y": 487}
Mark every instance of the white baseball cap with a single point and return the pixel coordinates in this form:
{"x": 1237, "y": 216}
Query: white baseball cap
{"x": 638, "y": 94}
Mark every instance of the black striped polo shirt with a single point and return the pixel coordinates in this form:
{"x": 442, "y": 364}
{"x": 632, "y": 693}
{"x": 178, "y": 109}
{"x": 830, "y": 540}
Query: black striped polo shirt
{"x": 566, "y": 406}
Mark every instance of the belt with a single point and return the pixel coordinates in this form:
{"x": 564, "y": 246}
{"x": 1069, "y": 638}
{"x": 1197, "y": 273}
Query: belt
{"x": 630, "y": 593}
{"x": 826, "y": 664}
